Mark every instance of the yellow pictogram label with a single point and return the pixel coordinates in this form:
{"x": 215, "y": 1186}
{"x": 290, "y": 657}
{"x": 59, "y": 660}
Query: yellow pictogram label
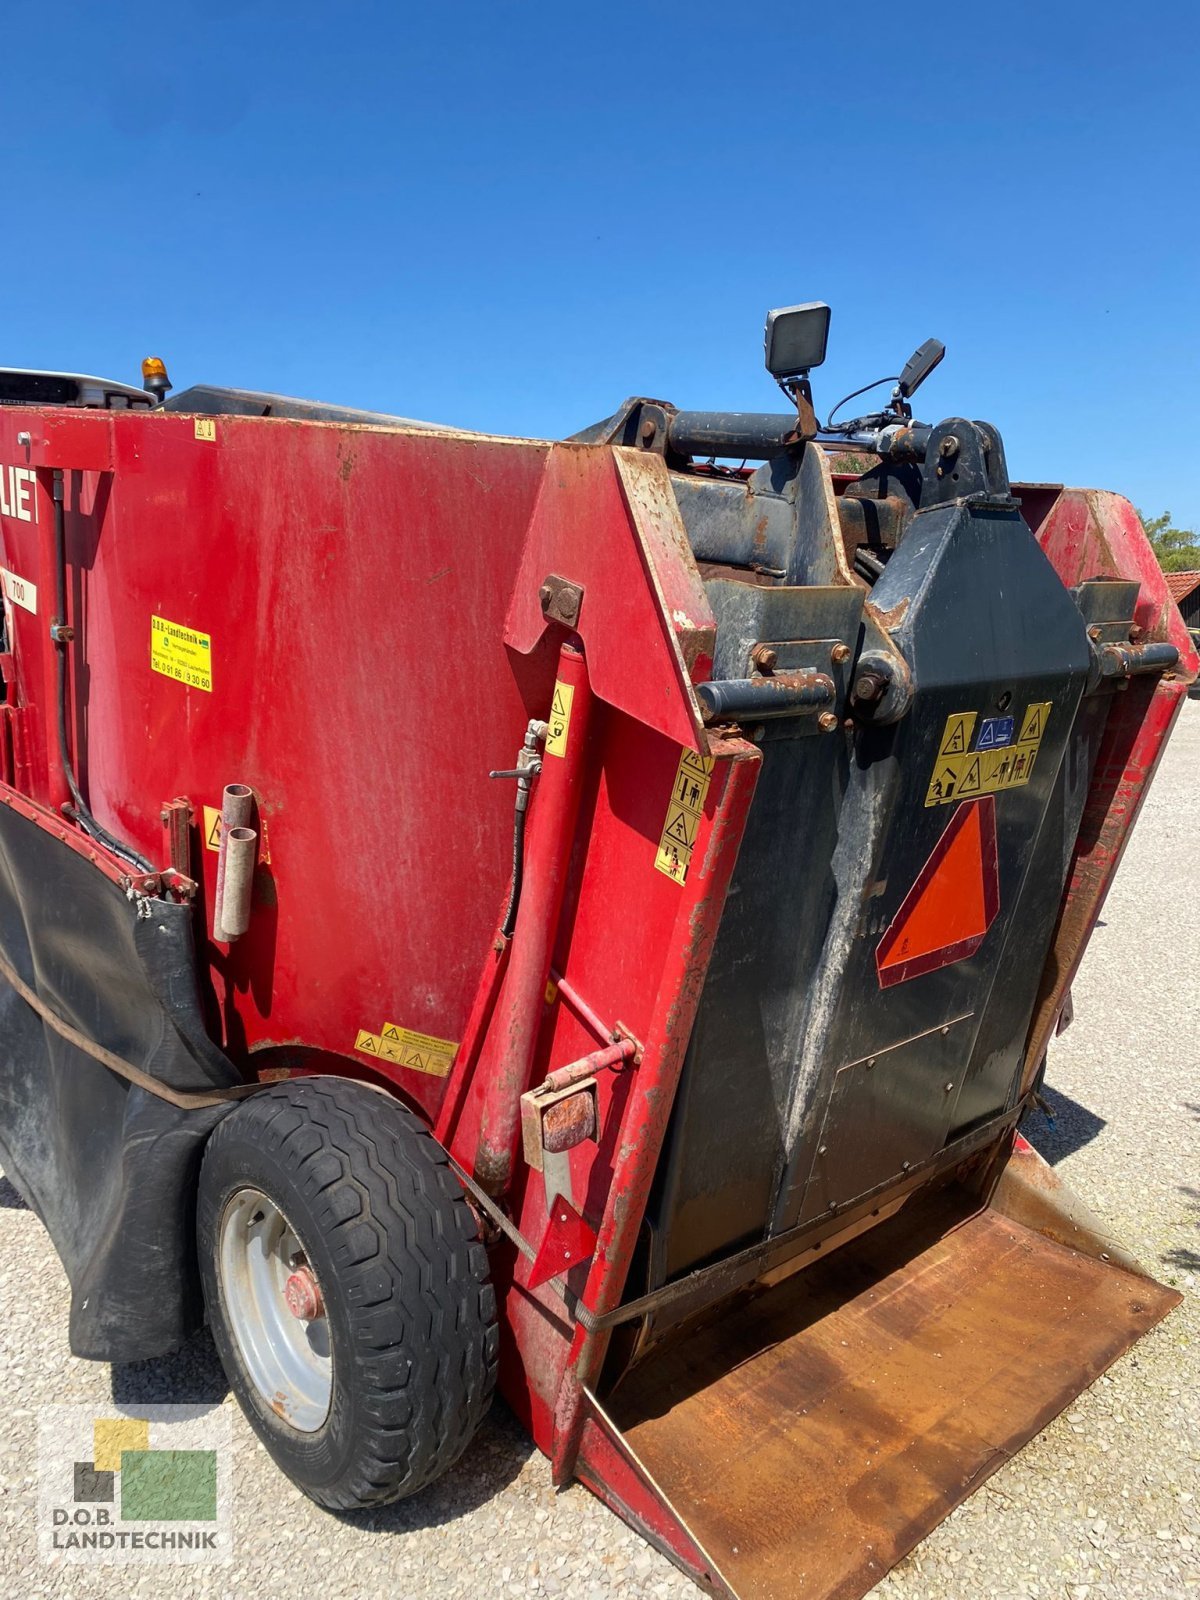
{"x": 682, "y": 822}
{"x": 956, "y": 736}
{"x": 559, "y": 722}
{"x": 406, "y": 1048}
{"x": 206, "y": 429}
{"x": 181, "y": 653}
{"x": 212, "y": 828}
{"x": 1033, "y": 723}
{"x": 960, "y": 772}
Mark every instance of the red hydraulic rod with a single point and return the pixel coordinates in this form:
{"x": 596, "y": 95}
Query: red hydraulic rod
{"x": 613, "y": 1055}
{"x": 576, "y": 1003}
{"x": 506, "y": 1059}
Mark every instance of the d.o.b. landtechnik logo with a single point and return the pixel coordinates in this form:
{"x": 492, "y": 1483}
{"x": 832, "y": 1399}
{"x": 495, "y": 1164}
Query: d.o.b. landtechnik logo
{"x": 150, "y": 1487}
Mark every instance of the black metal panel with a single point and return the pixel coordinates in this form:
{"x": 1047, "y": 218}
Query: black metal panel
{"x": 808, "y": 1084}
{"x": 985, "y": 625}
{"x": 214, "y": 401}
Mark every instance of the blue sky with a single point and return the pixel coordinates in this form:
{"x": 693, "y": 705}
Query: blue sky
{"x": 512, "y": 216}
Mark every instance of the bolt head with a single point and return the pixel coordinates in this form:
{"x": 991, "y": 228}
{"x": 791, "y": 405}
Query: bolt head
{"x": 649, "y": 429}
{"x": 840, "y": 653}
{"x": 869, "y": 688}
{"x": 765, "y": 658}
{"x": 827, "y": 722}
{"x": 949, "y": 445}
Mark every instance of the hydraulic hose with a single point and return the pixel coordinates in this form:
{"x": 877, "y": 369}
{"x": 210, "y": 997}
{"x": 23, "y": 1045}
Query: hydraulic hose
{"x": 62, "y": 635}
{"x": 518, "y": 872}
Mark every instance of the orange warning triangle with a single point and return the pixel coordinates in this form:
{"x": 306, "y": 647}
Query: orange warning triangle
{"x": 953, "y": 903}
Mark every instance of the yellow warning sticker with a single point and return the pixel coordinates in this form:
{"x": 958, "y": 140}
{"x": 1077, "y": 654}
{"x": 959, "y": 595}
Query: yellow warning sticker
{"x": 956, "y": 736}
{"x": 181, "y": 653}
{"x": 212, "y": 828}
{"x": 206, "y": 429}
{"x": 1033, "y": 723}
{"x": 559, "y": 724}
{"x": 682, "y": 822}
{"x": 960, "y": 772}
{"x": 406, "y": 1048}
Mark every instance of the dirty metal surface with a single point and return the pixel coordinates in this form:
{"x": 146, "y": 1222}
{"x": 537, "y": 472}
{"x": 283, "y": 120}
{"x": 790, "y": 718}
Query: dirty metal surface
{"x": 815, "y": 1437}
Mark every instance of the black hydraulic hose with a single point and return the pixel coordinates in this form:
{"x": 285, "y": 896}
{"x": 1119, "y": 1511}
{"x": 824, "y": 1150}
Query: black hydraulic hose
{"x": 61, "y": 635}
{"x": 518, "y": 872}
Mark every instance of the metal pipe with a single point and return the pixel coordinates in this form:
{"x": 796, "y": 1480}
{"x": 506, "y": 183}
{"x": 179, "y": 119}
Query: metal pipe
{"x": 751, "y": 435}
{"x": 1128, "y": 661}
{"x": 782, "y": 694}
{"x": 598, "y": 1061}
{"x": 47, "y": 517}
{"x": 241, "y": 856}
{"x": 577, "y": 1004}
{"x": 506, "y": 1059}
{"x": 237, "y": 804}
{"x": 62, "y": 635}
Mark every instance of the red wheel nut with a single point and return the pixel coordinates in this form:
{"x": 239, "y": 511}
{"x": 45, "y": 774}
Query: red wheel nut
{"x": 303, "y": 1295}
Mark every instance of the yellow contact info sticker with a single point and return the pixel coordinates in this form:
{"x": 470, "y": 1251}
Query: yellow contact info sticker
{"x": 1000, "y": 755}
{"x": 404, "y": 1047}
{"x": 181, "y": 653}
{"x": 682, "y": 822}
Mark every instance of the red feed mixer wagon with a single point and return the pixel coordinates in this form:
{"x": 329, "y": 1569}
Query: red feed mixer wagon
{"x": 581, "y": 916}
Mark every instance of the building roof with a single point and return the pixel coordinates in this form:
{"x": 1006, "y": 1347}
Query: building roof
{"x": 1181, "y": 584}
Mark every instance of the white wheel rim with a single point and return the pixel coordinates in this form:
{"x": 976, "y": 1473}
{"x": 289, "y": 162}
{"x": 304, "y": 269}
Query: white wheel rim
{"x": 287, "y": 1357}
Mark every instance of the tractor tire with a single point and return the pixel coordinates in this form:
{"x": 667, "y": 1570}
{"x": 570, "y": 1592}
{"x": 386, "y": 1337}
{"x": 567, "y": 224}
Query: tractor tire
{"x": 347, "y": 1289}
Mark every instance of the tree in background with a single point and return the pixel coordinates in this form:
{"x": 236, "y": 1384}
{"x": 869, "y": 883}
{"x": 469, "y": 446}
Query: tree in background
{"x": 1177, "y": 549}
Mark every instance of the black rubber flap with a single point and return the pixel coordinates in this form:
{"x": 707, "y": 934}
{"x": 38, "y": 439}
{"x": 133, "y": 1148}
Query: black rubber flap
{"x": 109, "y": 1168}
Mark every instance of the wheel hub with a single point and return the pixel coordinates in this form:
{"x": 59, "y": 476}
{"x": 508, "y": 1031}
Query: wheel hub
{"x": 303, "y": 1295}
{"x": 275, "y": 1309}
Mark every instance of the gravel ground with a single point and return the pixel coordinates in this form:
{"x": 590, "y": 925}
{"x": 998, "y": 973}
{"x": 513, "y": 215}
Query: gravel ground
{"x": 1103, "y": 1503}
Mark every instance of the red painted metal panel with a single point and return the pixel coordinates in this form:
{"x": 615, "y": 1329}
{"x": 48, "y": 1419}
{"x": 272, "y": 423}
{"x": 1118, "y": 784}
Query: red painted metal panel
{"x": 359, "y": 686}
{"x": 1089, "y": 534}
{"x": 607, "y": 521}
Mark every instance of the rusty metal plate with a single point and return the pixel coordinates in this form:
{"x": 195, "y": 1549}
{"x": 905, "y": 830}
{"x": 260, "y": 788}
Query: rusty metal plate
{"x": 814, "y": 1436}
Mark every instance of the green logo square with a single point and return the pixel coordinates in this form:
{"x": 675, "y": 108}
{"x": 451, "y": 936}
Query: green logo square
{"x": 169, "y": 1485}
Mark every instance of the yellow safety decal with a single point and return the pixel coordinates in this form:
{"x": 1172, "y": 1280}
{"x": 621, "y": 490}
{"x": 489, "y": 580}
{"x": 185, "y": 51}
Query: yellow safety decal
{"x": 181, "y": 653}
{"x": 206, "y": 429}
{"x": 551, "y": 994}
{"x": 1033, "y": 723}
{"x": 406, "y": 1048}
{"x": 692, "y": 778}
{"x": 956, "y": 735}
{"x": 559, "y": 725}
{"x": 212, "y": 828}
{"x": 960, "y": 772}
